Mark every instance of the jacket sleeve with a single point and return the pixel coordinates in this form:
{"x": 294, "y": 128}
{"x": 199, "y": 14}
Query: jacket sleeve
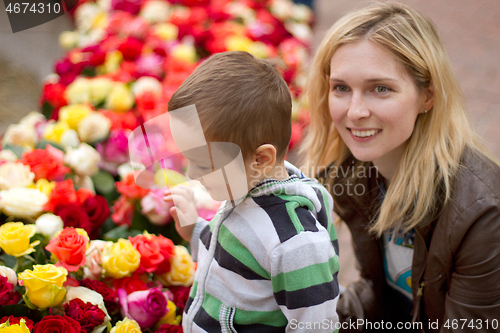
{"x": 474, "y": 293}
{"x": 304, "y": 272}
{"x": 195, "y": 237}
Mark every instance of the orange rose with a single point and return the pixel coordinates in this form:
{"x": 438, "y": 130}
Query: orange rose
{"x": 69, "y": 247}
{"x": 46, "y": 163}
{"x": 129, "y": 188}
{"x": 149, "y": 249}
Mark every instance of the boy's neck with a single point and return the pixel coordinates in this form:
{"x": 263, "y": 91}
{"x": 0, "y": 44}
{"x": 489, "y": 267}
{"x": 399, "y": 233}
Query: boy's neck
{"x": 278, "y": 172}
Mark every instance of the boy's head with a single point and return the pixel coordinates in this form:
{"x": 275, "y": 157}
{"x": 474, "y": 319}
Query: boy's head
{"x": 239, "y": 99}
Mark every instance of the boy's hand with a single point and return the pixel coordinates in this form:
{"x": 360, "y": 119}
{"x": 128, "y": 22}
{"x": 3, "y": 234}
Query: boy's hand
{"x": 184, "y": 210}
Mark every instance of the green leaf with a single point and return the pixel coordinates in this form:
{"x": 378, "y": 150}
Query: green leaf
{"x": 117, "y": 233}
{"x": 8, "y": 260}
{"x": 43, "y": 143}
{"x": 89, "y": 71}
{"x": 15, "y": 149}
{"x": 47, "y": 110}
{"x": 104, "y": 182}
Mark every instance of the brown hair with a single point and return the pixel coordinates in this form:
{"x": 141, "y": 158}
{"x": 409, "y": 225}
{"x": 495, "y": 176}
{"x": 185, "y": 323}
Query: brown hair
{"x": 239, "y": 99}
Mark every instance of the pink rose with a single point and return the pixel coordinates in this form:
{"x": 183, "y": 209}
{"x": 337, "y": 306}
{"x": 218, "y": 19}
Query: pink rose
{"x": 150, "y": 65}
{"x": 113, "y": 151}
{"x": 155, "y": 208}
{"x": 146, "y": 307}
{"x": 93, "y": 268}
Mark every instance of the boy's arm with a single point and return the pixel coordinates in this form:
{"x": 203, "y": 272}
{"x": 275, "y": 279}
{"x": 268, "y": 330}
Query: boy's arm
{"x": 304, "y": 278}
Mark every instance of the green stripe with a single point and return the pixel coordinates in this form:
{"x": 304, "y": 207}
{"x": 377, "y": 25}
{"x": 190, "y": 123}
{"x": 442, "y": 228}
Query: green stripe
{"x": 192, "y": 292}
{"x": 302, "y": 201}
{"x": 290, "y": 208}
{"x": 275, "y": 318}
{"x": 212, "y": 222}
{"x": 234, "y": 247}
{"x": 305, "y": 277}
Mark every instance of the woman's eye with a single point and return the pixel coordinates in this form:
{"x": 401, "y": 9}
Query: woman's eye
{"x": 381, "y": 89}
{"x": 340, "y": 88}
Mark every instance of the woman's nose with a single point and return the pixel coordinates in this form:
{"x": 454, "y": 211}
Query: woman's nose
{"x": 358, "y": 108}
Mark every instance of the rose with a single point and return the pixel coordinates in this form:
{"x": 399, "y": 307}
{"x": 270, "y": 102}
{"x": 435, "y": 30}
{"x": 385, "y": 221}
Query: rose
{"x": 88, "y": 315}
{"x": 99, "y": 89}
{"x": 146, "y": 84}
{"x": 182, "y": 269}
{"x": 120, "y": 259}
{"x": 166, "y": 328}
{"x": 129, "y": 188}
{"x": 9, "y": 273}
{"x": 73, "y": 114}
{"x": 150, "y": 252}
{"x": 46, "y": 163}
{"x": 53, "y": 93}
{"x": 123, "y": 211}
{"x": 126, "y": 326}
{"x": 170, "y": 317}
{"x": 120, "y": 99}
{"x": 146, "y": 307}
{"x": 22, "y": 202}
{"x": 150, "y": 65}
{"x": 15, "y": 174}
{"x": 92, "y": 268}
{"x": 8, "y": 295}
{"x": 93, "y": 127}
{"x": 167, "y": 250}
{"x": 54, "y": 131}
{"x": 74, "y": 216}
{"x": 69, "y": 138}
{"x": 155, "y": 208}
{"x": 78, "y": 92}
{"x": 109, "y": 295}
{"x": 17, "y": 321}
{"x": 114, "y": 151}
{"x": 44, "y": 286}
{"x": 7, "y": 155}
{"x": 155, "y": 11}
{"x": 130, "y": 283}
{"x": 49, "y": 225}
{"x": 63, "y": 193}
{"x": 15, "y": 328}
{"x": 44, "y": 186}
{"x": 58, "y": 324}
{"x": 20, "y": 135}
{"x": 98, "y": 211}
{"x": 88, "y": 296}
{"x": 15, "y": 238}
{"x": 83, "y": 160}
{"x": 69, "y": 247}
{"x": 181, "y": 296}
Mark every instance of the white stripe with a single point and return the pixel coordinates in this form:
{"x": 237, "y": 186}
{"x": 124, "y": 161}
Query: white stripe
{"x": 324, "y": 315}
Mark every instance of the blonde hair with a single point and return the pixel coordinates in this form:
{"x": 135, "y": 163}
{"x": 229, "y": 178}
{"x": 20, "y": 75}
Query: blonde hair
{"x": 240, "y": 99}
{"x": 433, "y": 152}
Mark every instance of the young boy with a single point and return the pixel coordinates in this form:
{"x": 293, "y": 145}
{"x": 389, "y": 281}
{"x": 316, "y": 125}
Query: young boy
{"x": 267, "y": 262}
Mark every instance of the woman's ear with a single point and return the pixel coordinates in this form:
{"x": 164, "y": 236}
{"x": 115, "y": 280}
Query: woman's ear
{"x": 265, "y": 156}
{"x": 429, "y": 97}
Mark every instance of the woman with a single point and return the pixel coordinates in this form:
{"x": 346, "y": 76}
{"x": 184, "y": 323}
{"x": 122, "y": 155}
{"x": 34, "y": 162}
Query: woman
{"x": 390, "y": 132}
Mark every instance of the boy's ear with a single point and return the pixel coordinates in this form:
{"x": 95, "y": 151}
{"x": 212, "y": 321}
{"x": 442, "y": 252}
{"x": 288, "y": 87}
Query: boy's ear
{"x": 265, "y": 156}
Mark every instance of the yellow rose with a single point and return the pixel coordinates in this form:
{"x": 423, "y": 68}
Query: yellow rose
{"x": 99, "y": 89}
{"x": 44, "y": 186}
{"x": 21, "y": 328}
{"x": 78, "y": 92}
{"x": 120, "y": 259}
{"x": 15, "y": 238}
{"x": 238, "y": 43}
{"x": 73, "y": 114}
{"x": 54, "y": 131}
{"x": 14, "y": 174}
{"x": 94, "y": 127}
{"x": 112, "y": 62}
{"x": 120, "y": 98}
{"x": 185, "y": 52}
{"x": 166, "y": 31}
{"x": 44, "y": 286}
{"x": 182, "y": 269}
{"x": 126, "y": 326}
{"x": 171, "y": 317}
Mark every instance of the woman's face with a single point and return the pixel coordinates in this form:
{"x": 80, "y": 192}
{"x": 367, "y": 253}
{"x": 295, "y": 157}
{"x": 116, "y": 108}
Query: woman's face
{"x": 373, "y": 103}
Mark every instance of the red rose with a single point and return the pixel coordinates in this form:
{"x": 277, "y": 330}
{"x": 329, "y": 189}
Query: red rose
{"x": 167, "y": 328}
{"x": 181, "y": 296}
{"x": 7, "y": 294}
{"x": 53, "y": 93}
{"x": 87, "y": 314}
{"x": 123, "y": 211}
{"x": 120, "y": 120}
{"x": 58, "y": 324}
{"x": 98, "y": 211}
{"x": 130, "y": 284}
{"x": 46, "y": 163}
{"x": 63, "y": 193}
{"x": 74, "y": 216}
{"x": 167, "y": 249}
{"x": 17, "y": 321}
{"x": 129, "y": 188}
{"x": 109, "y": 295}
{"x": 131, "y": 49}
{"x": 149, "y": 250}
{"x": 69, "y": 247}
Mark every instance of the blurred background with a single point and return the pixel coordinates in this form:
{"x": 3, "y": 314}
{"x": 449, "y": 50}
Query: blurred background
{"x": 470, "y": 30}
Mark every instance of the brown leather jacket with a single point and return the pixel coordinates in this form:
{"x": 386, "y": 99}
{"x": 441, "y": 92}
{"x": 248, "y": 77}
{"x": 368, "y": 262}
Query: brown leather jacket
{"x": 456, "y": 259}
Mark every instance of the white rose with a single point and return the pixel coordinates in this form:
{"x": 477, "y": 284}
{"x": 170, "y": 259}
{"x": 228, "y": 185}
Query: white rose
{"x": 155, "y": 11}
{"x": 32, "y": 118}
{"x": 78, "y": 92}
{"x": 8, "y": 155}
{"x": 282, "y": 10}
{"x": 302, "y": 13}
{"x": 82, "y": 160}
{"x": 93, "y": 127}
{"x": 85, "y": 16}
{"x": 99, "y": 89}
{"x": 20, "y": 135}
{"x": 146, "y": 83}
{"x": 84, "y": 182}
{"x": 14, "y": 174}
{"x": 69, "y": 138}
{"x": 9, "y": 274}
{"x": 49, "y": 225}
{"x": 88, "y": 295}
{"x": 69, "y": 39}
{"x": 124, "y": 169}
{"x": 22, "y": 202}
{"x": 301, "y": 31}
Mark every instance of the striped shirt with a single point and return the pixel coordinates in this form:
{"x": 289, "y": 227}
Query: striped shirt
{"x": 268, "y": 264}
